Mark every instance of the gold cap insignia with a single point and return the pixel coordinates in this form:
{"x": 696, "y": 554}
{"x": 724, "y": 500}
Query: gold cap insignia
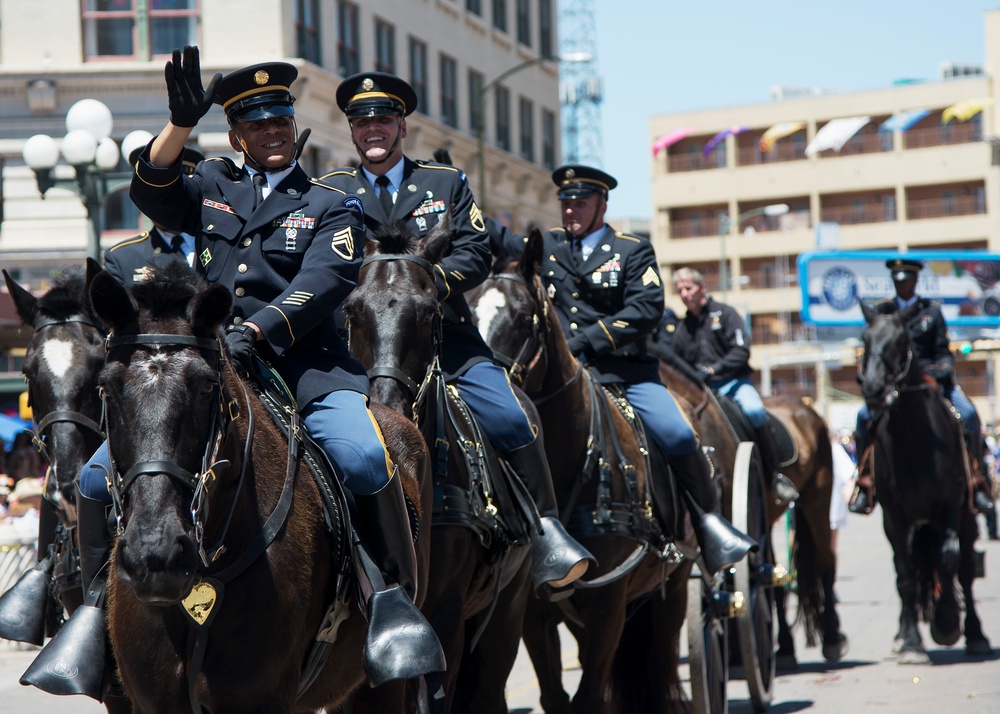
{"x": 368, "y": 84}
{"x": 261, "y": 77}
{"x": 570, "y": 173}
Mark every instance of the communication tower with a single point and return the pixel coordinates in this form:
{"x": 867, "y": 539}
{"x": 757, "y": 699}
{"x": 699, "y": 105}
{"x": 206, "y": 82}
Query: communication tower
{"x": 580, "y": 93}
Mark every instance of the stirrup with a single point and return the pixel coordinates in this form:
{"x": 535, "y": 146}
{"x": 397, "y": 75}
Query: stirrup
{"x": 23, "y": 606}
{"x": 73, "y": 662}
{"x": 399, "y": 643}
{"x": 557, "y": 559}
{"x": 784, "y": 490}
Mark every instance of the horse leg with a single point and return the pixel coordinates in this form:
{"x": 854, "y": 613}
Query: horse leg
{"x": 946, "y": 628}
{"x": 976, "y": 643}
{"x": 908, "y": 643}
{"x": 486, "y": 666}
{"x": 785, "y": 658}
{"x": 541, "y": 638}
{"x": 604, "y": 612}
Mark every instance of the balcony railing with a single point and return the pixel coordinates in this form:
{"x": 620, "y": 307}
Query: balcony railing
{"x": 694, "y": 228}
{"x": 868, "y": 213}
{"x": 862, "y": 144}
{"x": 918, "y": 208}
{"x": 749, "y": 155}
{"x": 696, "y": 161}
{"x": 941, "y": 135}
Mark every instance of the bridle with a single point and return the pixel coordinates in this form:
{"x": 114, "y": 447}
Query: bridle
{"x": 897, "y": 377}
{"x": 533, "y": 350}
{"x": 63, "y": 416}
{"x": 390, "y": 372}
{"x": 225, "y": 411}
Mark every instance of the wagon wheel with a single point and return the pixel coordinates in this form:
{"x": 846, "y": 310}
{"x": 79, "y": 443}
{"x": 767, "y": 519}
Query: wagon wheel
{"x": 707, "y": 646}
{"x": 754, "y": 577}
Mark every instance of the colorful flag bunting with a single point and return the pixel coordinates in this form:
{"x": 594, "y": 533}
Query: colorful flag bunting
{"x": 835, "y": 133}
{"x": 779, "y": 131}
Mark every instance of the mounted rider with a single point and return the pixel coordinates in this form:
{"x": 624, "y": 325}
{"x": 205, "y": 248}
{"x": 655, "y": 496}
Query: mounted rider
{"x": 392, "y": 187}
{"x": 713, "y": 339}
{"x": 929, "y": 336}
{"x": 606, "y": 289}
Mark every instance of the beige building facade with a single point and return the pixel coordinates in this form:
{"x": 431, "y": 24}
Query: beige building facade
{"x": 934, "y": 186}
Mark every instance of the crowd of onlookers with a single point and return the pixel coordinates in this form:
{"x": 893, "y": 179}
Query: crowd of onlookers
{"x": 21, "y": 472}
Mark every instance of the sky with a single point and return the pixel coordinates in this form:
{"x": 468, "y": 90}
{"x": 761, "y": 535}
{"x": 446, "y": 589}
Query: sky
{"x": 661, "y": 56}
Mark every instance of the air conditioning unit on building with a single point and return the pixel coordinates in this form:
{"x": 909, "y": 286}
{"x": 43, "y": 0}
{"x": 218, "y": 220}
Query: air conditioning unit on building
{"x": 951, "y": 70}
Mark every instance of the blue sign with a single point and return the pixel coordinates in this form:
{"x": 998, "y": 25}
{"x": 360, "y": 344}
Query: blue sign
{"x": 966, "y": 284}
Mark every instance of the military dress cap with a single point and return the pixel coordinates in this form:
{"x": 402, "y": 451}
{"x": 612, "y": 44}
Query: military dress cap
{"x": 189, "y": 159}
{"x": 904, "y": 268}
{"x": 577, "y": 181}
{"x": 375, "y": 94}
{"x": 260, "y": 91}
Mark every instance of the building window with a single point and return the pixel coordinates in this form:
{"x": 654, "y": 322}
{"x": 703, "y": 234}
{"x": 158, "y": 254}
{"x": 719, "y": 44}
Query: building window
{"x": 527, "y": 115}
{"x": 449, "y": 93}
{"x": 545, "y": 41}
{"x": 474, "y": 6}
{"x": 503, "y": 117}
{"x": 548, "y": 139}
{"x": 418, "y": 72}
{"x": 138, "y": 29}
{"x": 348, "y": 44}
{"x": 500, "y": 14}
{"x": 307, "y": 30}
{"x": 385, "y": 47}
{"x": 524, "y": 22}
{"x": 476, "y": 119}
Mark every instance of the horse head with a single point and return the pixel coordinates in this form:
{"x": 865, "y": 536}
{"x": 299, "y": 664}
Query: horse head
{"x": 394, "y": 312}
{"x": 167, "y": 414}
{"x": 888, "y": 362}
{"x": 60, "y": 365}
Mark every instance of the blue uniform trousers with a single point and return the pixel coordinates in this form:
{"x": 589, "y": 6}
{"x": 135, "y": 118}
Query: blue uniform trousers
{"x": 742, "y": 391}
{"x": 486, "y": 390}
{"x": 665, "y": 423}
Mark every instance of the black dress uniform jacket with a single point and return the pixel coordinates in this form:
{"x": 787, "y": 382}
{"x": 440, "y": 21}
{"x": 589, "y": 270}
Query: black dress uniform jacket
{"x": 427, "y": 190}
{"x": 131, "y": 260}
{"x": 289, "y": 263}
{"x": 608, "y": 304}
{"x": 715, "y": 338}
{"x": 929, "y": 334}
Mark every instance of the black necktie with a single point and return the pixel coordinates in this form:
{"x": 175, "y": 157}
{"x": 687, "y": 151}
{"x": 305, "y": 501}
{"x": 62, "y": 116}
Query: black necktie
{"x": 577, "y": 246}
{"x": 259, "y": 181}
{"x": 384, "y": 194}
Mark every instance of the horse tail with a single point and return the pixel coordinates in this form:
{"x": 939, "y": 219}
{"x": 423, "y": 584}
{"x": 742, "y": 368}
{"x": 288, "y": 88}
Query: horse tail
{"x": 809, "y": 587}
{"x": 924, "y": 548}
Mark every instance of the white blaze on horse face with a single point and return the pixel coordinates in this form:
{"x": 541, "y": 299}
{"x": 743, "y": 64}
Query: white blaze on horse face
{"x": 58, "y": 356}
{"x": 488, "y": 309}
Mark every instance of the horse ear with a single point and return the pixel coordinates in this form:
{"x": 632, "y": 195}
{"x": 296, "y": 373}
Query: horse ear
{"x": 25, "y": 303}
{"x": 111, "y": 301}
{"x": 531, "y": 260}
{"x": 93, "y": 268}
{"x": 867, "y": 311}
{"x": 438, "y": 242}
{"x": 209, "y": 309}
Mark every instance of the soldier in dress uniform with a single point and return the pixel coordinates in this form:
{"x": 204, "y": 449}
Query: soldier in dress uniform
{"x": 606, "y": 289}
{"x": 132, "y": 260}
{"x": 714, "y": 340}
{"x": 394, "y": 187}
{"x": 929, "y": 335}
{"x": 257, "y": 227}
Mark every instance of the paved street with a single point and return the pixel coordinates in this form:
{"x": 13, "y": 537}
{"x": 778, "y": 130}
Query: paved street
{"x": 868, "y": 680}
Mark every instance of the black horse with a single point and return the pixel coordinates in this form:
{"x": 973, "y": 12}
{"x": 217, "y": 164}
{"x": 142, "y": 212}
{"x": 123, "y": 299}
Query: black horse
{"x": 60, "y": 366}
{"x": 230, "y": 587}
{"x": 921, "y": 478}
{"x": 479, "y": 580}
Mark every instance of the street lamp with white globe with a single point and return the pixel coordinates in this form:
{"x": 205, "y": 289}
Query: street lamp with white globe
{"x": 94, "y": 156}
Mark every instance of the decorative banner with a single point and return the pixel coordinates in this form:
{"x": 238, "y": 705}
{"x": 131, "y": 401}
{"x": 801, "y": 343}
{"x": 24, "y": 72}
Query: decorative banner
{"x": 720, "y": 137}
{"x": 779, "y": 131}
{"x": 903, "y": 120}
{"x": 835, "y": 133}
{"x": 963, "y": 111}
{"x": 965, "y": 282}
{"x": 670, "y": 138}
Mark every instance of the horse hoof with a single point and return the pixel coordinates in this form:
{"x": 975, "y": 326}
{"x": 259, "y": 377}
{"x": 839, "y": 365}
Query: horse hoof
{"x": 835, "y": 651}
{"x": 897, "y": 645}
{"x": 978, "y": 648}
{"x": 786, "y": 663}
{"x": 914, "y": 657}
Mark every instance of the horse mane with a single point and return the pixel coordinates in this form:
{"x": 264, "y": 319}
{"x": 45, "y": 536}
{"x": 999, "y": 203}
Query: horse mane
{"x": 395, "y": 238}
{"x": 67, "y": 296}
{"x": 503, "y": 259}
{"x": 168, "y": 291}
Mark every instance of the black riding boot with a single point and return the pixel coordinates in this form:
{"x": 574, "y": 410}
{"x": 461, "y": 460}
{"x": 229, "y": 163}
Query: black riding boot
{"x": 557, "y": 559}
{"x": 982, "y": 499}
{"x": 24, "y": 606}
{"x": 400, "y": 643}
{"x": 782, "y": 488}
{"x": 721, "y": 543}
{"x": 863, "y": 498}
{"x": 81, "y": 645}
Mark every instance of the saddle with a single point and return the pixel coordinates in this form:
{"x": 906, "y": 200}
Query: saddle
{"x": 741, "y": 429}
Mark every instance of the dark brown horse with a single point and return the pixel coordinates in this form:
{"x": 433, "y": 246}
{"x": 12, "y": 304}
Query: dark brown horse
{"x": 921, "y": 476}
{"x": 60, "y": 366}
{"x": 596, "y": 461}
{"x": 229, "y": 577}
{"x": 478, "y": 576}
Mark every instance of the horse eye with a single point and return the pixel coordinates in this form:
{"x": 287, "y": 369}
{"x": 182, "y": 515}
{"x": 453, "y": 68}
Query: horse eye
{"x": 207, "y": 387}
